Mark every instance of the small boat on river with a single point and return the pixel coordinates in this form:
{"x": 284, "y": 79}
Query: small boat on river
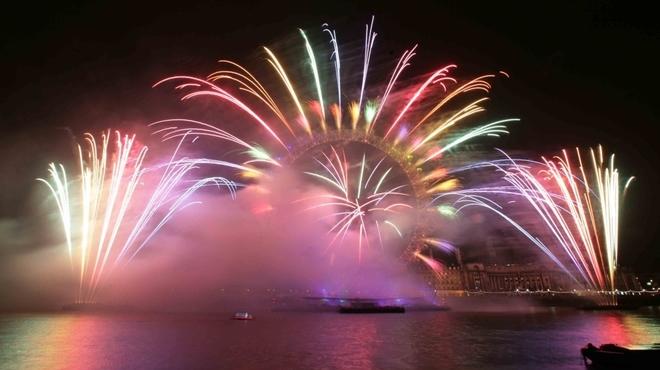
{"x": 612, "y": 356}
{"x": 370, "y": 307}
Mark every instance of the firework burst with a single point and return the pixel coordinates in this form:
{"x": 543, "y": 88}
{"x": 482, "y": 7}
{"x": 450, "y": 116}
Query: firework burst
{"x": 577, "y": 202}
{"x": 115, "y": 205}
{"x": 416, "y": 124}
{"x": 362, "y": 201}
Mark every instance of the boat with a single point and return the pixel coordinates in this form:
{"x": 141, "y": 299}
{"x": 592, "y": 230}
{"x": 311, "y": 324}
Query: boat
{"x": 361, "y": 305}
{"x": 612, "y": 356}
{"x": 242, "y": 316}
{"x": 370, "y": 307}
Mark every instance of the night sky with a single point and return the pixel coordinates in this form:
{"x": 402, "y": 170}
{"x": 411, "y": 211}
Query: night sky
{"x": 581, "y": 74}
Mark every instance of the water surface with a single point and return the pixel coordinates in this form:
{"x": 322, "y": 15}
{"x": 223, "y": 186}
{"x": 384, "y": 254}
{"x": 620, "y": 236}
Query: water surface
{"x": 539, "y": 339}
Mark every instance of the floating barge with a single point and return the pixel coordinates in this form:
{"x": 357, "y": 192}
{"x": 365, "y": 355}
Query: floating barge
{"x": 370, "y": 307}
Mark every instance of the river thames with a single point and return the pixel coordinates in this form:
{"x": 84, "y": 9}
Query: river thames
{"x": 539, "y": 338}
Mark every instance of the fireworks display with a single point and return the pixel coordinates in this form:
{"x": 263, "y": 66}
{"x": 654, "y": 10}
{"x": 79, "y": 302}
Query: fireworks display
{"x": 415, "y": 125}
{"x": 577, "y": 202}
{"x": 114, "y": 205}
{"x": 400, "y": 135}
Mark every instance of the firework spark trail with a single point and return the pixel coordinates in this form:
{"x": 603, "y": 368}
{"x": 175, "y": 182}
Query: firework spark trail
{"x": 492, "y": 129}
{"x": 104, "y": 219}
{"x": 464, "y": 112}
{"x": 197, "y": 128}
{"x": 480, "y": 201}
{"x": 369, "y": 38}
{"x": 403, "y": 62}
{"x": 435, "y": 266}
{"x": 336, "y": 108}
{"x": 579, "y": 209}
{"x": 477, "y": 84}
{"x": 220, "y": 93}
{"x": 442, "y": 245}
{"x": 437, "y": 76}
{"x": 275, "y": 63}
{"x": 60, "y": 192}
{"x": 317, "y": 80}
{"x": 250, "y": 84}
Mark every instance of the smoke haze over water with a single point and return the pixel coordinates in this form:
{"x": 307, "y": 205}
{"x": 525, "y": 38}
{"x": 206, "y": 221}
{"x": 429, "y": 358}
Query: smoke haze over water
{"x": 261, "y": 240}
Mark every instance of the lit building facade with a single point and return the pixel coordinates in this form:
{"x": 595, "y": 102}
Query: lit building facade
{"x": 510, "y": 277}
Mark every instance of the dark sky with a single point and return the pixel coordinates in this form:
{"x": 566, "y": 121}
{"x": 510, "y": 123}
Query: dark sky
{"x": 582, "y": 74}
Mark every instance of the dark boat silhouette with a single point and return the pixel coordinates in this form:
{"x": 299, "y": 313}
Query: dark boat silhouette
{"x": 612, "y": 356}
{"x": 370, "y": 307}
{"x": 377, "y": 305}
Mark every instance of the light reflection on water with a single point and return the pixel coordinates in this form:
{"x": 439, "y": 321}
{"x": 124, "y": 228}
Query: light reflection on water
{"x": 453, "y": 340}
